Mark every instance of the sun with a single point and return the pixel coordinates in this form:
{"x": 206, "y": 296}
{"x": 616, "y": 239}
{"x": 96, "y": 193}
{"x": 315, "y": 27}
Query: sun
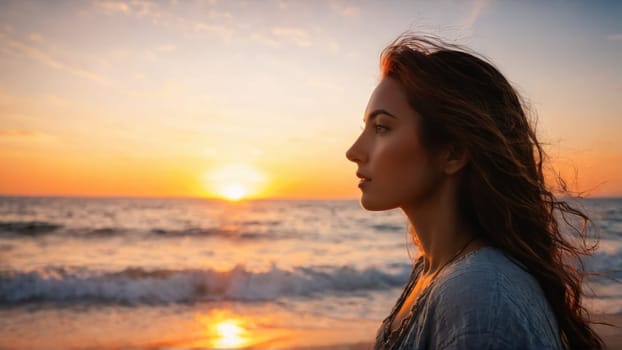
{"x": 234, "y": 181}
{"x": 233, "y": 191}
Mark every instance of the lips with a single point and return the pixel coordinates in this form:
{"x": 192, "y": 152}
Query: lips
{"x": 363, "y": 179}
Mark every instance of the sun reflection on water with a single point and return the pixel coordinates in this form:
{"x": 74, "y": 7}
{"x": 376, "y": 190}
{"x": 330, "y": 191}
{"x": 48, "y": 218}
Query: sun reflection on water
{"x": 230, "y": 334}
{"x": 269, "y": 327}
{"x": 225, "y": 331}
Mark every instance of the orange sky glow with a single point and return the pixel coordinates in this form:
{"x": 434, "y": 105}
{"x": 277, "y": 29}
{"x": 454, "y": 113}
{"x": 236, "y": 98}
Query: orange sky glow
{"x": 261, "y": 99}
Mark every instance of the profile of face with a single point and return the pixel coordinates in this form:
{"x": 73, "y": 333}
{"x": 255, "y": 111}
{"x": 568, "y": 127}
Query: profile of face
{"x": 394, "y": 168}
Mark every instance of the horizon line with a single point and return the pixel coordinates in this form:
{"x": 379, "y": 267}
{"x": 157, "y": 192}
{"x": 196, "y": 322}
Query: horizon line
{"x": 87, "y": 196}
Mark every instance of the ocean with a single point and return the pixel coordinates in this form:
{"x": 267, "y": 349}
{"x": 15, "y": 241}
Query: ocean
{"x": 119, "y": 273}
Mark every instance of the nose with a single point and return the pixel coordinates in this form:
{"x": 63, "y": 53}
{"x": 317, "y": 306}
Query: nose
{"x": 355, "y": 152}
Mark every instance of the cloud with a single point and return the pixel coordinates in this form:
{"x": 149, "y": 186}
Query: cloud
{"x": 169, "y": 19}
{"x": 35, "y": 37}
{"x": 39, "y": 55}
{"x": 478, "y": 7}
{"x": 135, "y": 7}
{"x": 114, "y": 6}
{"x": 23, "y": 135}
{"x": 166, "y": 48}
{"x": 334, "y": 47}
{"x": 616, "y": 37}
{"x": 219, "y": 15}
{"x": 346, "y": 10}
{"x": 144, "y": 8}
{"x": 199, "y": 26}
{"x": 298, "y": 36}
{"x": 264, "y": 40}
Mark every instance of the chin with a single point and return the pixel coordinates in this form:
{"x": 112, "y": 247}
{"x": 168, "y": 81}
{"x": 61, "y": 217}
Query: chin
{"x": 375, "y": 205}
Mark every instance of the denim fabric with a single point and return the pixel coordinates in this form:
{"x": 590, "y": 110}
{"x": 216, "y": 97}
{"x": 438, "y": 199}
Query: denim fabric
{"x": 484, "y": 300}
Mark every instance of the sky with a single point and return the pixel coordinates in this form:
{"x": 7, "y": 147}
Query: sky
{"x": 263, "y": 98}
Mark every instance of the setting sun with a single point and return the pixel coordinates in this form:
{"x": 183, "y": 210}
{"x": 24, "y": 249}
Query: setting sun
{"x": 235, "y": 181}
{"x": 233, "y": 191}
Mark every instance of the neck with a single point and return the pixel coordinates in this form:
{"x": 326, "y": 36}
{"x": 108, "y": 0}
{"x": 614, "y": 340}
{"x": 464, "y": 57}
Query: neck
{"x": 439, "y": 229}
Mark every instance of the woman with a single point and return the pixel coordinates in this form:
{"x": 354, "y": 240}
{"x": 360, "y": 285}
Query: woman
{"x": 446, "y": 139}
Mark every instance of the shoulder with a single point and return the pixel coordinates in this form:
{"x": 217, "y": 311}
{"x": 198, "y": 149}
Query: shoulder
{"x": 484, "y": 274}
{"x": 486, "y": 298}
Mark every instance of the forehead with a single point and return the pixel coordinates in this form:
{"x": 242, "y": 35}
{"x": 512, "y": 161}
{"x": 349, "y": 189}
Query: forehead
{"x": 390, "y": 96}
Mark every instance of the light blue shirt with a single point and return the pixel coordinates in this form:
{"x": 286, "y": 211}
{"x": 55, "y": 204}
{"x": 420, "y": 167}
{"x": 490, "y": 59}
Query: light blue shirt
{"x": 483, "y": 300}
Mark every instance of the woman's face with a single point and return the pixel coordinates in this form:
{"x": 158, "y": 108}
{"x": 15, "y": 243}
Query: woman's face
{"x": 394, "y": 168}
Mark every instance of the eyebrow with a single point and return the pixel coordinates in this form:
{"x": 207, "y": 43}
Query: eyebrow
{"x": 376, "y": 112}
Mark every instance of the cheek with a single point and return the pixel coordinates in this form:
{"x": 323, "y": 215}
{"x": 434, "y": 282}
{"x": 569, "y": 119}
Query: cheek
{"x": 406, "y": 169}
{"x": 403, "y": 159}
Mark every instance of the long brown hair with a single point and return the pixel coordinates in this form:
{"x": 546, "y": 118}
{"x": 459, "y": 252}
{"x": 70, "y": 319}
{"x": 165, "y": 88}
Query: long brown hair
{"x": 465, "y": 101}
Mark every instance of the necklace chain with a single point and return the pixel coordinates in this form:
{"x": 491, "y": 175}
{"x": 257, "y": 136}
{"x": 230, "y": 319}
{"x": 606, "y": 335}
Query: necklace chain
{"x": 407, "y": 318}
{"x": 454, "y": 257}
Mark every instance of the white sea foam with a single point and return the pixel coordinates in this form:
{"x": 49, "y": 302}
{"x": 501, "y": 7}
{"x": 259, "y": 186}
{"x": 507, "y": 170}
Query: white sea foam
{"x": 164, "y": 286}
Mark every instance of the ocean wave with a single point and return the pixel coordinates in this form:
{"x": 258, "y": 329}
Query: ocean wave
{"x": 233, "y": 232}
{"x": 247, "y": 230}
{"x": 102, "y": 232}
{"x": 230, "y": 232}
{"x": 607, "y": 264}
{"x": 389, "y": 227}
{"x": 140, "y": 286}
{"x": 27, "y": 228}
{"x": 603, "y": 297}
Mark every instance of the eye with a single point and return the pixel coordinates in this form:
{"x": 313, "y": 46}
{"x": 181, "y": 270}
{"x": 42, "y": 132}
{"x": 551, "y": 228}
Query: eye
{"x": 381, "y": 129}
